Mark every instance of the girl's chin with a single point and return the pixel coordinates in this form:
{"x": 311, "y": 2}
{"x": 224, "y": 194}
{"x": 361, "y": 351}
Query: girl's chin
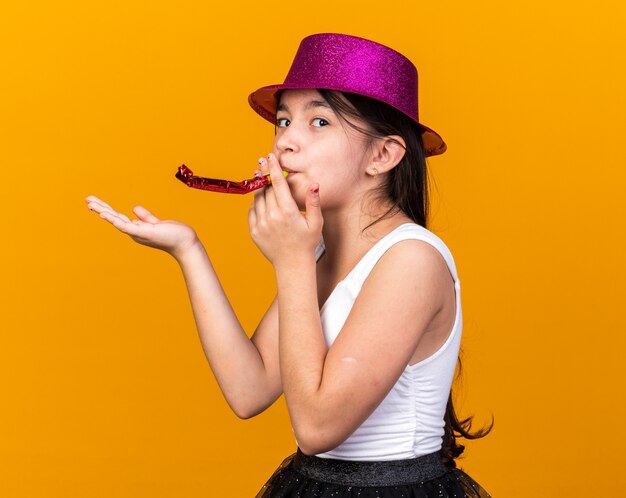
{"x": 298, "y": 191}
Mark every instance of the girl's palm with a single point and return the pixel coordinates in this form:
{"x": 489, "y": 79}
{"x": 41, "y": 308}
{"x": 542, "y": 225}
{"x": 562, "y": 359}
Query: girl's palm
{"x": 168, "y": 235}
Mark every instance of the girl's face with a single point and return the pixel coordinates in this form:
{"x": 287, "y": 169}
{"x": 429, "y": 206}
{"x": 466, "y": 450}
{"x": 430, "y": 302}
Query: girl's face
{"x": 315, "y": 145}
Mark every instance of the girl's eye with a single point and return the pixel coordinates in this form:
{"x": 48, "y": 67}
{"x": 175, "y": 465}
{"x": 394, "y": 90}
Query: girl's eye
{"x": 282, "y": 122}
{"x": 320, "y": 122}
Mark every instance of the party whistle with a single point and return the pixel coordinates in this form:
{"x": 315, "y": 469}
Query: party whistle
{"x": 186, "y": 176}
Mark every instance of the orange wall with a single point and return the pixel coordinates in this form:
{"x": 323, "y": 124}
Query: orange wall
{"x": 105, "y": 390}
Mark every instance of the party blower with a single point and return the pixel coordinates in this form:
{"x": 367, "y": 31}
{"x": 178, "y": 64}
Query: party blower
{"x": 186, "y": 176}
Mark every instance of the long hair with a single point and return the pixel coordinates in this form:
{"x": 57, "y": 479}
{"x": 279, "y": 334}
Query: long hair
{"x": 407, "y": 189}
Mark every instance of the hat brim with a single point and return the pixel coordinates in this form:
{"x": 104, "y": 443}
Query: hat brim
{"x": 264, "y": 101}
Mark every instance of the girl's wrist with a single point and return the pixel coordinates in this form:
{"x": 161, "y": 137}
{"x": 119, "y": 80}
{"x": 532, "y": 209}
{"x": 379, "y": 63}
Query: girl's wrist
{"x": 188, "y": 250}
{"x": 294, "y": 266}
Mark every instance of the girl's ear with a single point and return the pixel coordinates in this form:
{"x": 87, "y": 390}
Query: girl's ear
{"x": 387, "y": 152}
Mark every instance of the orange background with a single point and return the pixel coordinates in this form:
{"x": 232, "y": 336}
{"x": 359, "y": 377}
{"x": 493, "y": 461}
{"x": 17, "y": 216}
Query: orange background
{"x": 105, "y": 389}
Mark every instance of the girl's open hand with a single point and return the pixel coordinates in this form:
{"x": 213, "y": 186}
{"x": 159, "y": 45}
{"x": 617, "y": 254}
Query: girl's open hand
{"x": 170, "y": 236}
{"x": 277, "y": 226}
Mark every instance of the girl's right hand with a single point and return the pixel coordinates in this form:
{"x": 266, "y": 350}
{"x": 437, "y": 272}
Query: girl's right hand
{"x": 170, "y": 236}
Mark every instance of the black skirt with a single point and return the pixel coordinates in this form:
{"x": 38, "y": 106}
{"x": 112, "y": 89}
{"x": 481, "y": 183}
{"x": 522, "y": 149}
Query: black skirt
{"x": 302, "y": 476}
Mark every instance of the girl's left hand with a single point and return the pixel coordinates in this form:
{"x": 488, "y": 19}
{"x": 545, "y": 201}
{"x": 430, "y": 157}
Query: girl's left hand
{"x": 277, "y": 226}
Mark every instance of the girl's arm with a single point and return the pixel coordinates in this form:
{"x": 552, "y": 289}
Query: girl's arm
{"x": 247, "y": 370}
{"x": 331, "y": 392}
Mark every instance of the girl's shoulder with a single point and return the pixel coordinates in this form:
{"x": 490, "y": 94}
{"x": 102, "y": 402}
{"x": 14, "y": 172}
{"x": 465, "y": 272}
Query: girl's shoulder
{"x": 408, "y": 246}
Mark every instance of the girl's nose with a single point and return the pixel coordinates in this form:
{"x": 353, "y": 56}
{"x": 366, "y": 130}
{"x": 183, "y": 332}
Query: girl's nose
{"x": 287, "y": 139}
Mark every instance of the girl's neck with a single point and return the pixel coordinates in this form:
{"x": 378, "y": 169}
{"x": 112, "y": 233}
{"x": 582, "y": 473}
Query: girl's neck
{"x": 348, "y": 234}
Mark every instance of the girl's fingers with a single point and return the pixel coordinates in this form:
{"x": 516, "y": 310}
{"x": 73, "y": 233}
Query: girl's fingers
{"x": 124, "y": 217}
{"x": 105, "y": 208}
{"x": 264, "y": 166}
{"x": 127, "y": 227}
{"x": 145, "y": 215}
{"x": 99, "y": 208}
{"x": 94, "y": 199}
{"x": 280, "y": 188}
{"x": 98, "y": 205}
{"x": 271, "y": 204}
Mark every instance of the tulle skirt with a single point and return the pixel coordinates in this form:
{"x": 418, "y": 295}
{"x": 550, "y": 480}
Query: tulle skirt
{"x": 302, "y": 476}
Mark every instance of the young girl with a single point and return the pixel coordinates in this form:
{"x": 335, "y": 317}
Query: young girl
{"x": 364, "y": 333}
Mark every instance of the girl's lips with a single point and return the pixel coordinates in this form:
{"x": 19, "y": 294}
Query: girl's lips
{"x": 285, "y": 168}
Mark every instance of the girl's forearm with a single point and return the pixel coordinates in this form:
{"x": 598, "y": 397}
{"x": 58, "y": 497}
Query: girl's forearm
{"x": 302, "y": 349}
{"x": 234, "y": 359}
